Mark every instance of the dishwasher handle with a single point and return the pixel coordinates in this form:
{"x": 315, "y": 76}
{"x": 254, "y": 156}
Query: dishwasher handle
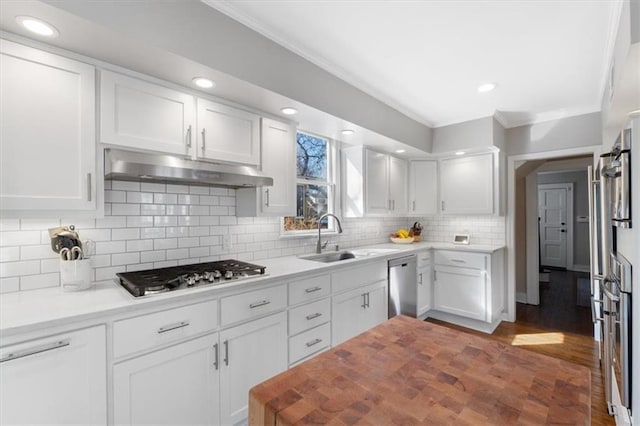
{"x": 403, "y": 261}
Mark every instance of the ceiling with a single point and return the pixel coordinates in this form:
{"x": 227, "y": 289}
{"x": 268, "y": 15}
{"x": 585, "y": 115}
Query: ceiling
{"x": 427, "y": 58}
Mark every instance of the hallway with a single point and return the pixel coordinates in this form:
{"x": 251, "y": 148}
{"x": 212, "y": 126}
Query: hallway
{"x": 557, "y": 328}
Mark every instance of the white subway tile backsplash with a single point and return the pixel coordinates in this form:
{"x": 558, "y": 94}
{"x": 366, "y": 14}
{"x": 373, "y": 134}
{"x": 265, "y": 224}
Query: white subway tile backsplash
{"x": 8, "y": 285}
{"x": 32, "y": 282}
{"x": 148, "y": 225}
{"x": 19, "y": 238}
{"x": 9, "y": 254}
{"x": 16, "y": 269}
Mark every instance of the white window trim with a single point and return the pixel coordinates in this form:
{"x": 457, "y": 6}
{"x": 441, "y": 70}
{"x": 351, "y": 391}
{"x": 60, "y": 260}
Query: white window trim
{"x": 333, "y": 162}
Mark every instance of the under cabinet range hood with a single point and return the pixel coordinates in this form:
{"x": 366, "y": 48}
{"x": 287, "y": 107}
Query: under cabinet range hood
{"x": 138, "y": 166}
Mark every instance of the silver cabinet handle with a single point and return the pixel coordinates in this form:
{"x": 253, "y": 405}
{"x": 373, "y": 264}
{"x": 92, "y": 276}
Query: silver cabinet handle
{"x": 595, "y": 319}
{"x": 313, "y": 289}
{"x": 390, "y": 205}
{"x": 364, "y": 300}
{"x": 312, "y": 316}
{"x": 434, "y": 275}
{"x": 266, "y": 197}
{"x": 36, "y": 350}
{"x": 258, "y": 304}
{"x": 189, "y": 136}
{"x": 420, "y": 278}
{"x": 89, "y": 187}
{"x": 458, "y": 261}
{"x": 203, "y": 140}
{"x": 442, "y": 204}
{"x": 226, "y": 352}
{"x": 313, "y": 342}
{"x": 414, "y": 206}
{"x": 215, "y": 356}
{"x": 176, "y": 326}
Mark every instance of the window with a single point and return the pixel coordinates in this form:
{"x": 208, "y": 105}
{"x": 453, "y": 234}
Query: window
{"x": 315, "y": 185}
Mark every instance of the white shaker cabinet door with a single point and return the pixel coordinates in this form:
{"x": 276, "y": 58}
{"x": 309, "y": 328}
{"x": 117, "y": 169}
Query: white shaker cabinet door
{"x": 141, "y": 115}
{"x": 467, "y": 184}
{"x": 358, "y": 310}
{"x": 425, "y": 275}
{"x": 228, "y": 134}
{"x": 377, "y": 200}
{"x": 47, "y": 131}
{"x": 423, "y": 187}
{"x": 278, "y": 162}
{"x": 461, "y": 291}
{"x": 249, "y": 354}
{"x": 176, "y": 385}
{"x": 398, "y": 177}
{"x": 61, "y": 380}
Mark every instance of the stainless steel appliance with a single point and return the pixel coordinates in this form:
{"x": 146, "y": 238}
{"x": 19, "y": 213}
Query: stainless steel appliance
{"x": 403, "y": 283}
{"x": 162, "y": 280}
{"x": 610, "y": 204}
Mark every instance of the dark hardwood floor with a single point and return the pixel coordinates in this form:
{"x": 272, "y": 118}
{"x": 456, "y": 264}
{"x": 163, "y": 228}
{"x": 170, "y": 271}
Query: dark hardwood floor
{"x": 557, "y": 328}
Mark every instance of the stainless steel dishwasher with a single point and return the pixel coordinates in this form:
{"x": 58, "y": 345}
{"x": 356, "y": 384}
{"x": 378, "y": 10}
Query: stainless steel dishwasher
{"x": 403, "y": 286}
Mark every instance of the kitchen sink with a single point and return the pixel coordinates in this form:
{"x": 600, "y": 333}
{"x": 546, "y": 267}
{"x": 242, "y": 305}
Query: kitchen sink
{"x": 334, "y": 256}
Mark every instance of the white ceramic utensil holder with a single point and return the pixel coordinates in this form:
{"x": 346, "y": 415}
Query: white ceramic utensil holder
{"x": 75, "y": 275}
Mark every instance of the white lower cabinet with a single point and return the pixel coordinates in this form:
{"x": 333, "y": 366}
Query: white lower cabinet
{"x": 60, "y": 379}
{"x": 468, "y": 288}
{"x": 175, "y": 385}
{"x": 249, "y": 354}
{"x": 424, "y": 290}
{"x": 358, "y": 310}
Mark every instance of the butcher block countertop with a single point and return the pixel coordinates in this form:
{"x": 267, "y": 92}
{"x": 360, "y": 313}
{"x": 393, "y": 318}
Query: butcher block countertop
{"x": 406, "y": 371}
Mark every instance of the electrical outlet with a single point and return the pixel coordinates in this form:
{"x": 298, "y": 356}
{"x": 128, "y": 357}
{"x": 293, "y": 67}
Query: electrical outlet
{"x": 226, "y": 242}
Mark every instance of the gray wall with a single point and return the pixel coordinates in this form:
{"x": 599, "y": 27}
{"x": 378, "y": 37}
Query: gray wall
{"x": 468, "y": 135}
{"x": 570, "y": 132}
{"x": 580, "y": 208}
{"x": 200, "y": 33}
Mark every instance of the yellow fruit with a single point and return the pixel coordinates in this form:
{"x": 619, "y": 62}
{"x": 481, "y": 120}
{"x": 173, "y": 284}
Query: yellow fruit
{"x": 403, "y": 233}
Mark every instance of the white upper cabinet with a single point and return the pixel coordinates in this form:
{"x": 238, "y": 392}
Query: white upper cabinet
{"x": 373, "y": 183}
{"x": 467, "y": 184}
{"x": 278, "y": 162}
{"x": 423, "y": 187}
{"x": 377, "y": 183}
{"x": 47, "y": 131}
{"x": 398, "y": 177}
{"x": 141, "y": 115}
{"x": 228, "y": 134}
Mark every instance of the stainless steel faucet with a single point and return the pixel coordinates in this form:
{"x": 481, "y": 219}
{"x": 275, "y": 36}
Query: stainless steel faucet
{"x": 319, "y": 244}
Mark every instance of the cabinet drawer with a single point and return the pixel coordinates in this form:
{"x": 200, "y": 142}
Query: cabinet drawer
{"x": 358, "y": 276}
{"x": 309, "y": 289}
{"x": 424, "y": 259}
{"x": 461, "y": 259}
{"x": 308, "y": 316}
{"x": 147, "y": 331}
{"x": 255, "y": 303}
{"x": 303, "y": 345}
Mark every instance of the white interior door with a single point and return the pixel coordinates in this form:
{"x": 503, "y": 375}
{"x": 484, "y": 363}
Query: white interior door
{"x": 552, "y": 211}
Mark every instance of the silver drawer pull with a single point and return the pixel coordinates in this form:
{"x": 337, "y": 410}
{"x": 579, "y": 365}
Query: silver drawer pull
{"x": 36, "y": 350}
{"x": 458, "y": 261}
{"x": 258, "y": 304}
{"x": 313, "y": 289}
{"x": 312, "y": 316}
{"x": 172, "y": 327}
{"x": 313, "y": 342}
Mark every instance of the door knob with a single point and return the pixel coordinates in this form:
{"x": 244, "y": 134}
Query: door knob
{"x": 562, "y": 223}
{"x": 562, "y": 230}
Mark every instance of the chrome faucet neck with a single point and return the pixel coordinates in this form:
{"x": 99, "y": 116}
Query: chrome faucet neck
{"x": 319, "y": 242}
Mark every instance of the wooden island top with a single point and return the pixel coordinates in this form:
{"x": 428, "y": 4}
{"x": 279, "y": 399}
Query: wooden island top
{"x": 406, "y": 371}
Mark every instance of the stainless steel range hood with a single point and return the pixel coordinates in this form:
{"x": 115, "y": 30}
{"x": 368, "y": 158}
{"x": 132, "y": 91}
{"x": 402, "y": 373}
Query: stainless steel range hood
{"x": 138, "y": 166}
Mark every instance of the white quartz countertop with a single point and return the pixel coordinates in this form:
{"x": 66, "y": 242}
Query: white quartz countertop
{"x": 27, "y": 311}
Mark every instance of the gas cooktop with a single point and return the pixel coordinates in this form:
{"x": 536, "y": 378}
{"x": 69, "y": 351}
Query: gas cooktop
{"x": 154, "y": 281}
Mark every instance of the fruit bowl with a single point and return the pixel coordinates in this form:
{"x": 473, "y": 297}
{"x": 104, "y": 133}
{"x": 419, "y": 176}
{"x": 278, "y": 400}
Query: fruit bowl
{"x": 402, "y": 240}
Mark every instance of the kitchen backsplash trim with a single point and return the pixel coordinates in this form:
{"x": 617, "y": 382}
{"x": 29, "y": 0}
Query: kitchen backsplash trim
{"x": 151, "y": 225}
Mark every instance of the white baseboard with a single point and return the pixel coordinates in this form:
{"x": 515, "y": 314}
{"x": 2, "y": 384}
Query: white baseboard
{"x": 521, "y": 297}
{"x": 579, "y": 268}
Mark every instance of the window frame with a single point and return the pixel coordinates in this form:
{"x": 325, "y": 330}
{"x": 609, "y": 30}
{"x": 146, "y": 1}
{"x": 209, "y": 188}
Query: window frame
{"x": 333, "y": 185}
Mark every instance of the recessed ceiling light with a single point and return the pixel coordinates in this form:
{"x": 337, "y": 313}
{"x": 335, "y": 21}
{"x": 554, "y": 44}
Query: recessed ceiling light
{"x": 400, "y": 151}
{"x": 460, "y": 152}
{"x": 348, "y": 132}
{"x": 203, "y": 82}
{"x": 289, "y": 111}
{"x": 486, "y": 87}
{"x": 37, "y": 26}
